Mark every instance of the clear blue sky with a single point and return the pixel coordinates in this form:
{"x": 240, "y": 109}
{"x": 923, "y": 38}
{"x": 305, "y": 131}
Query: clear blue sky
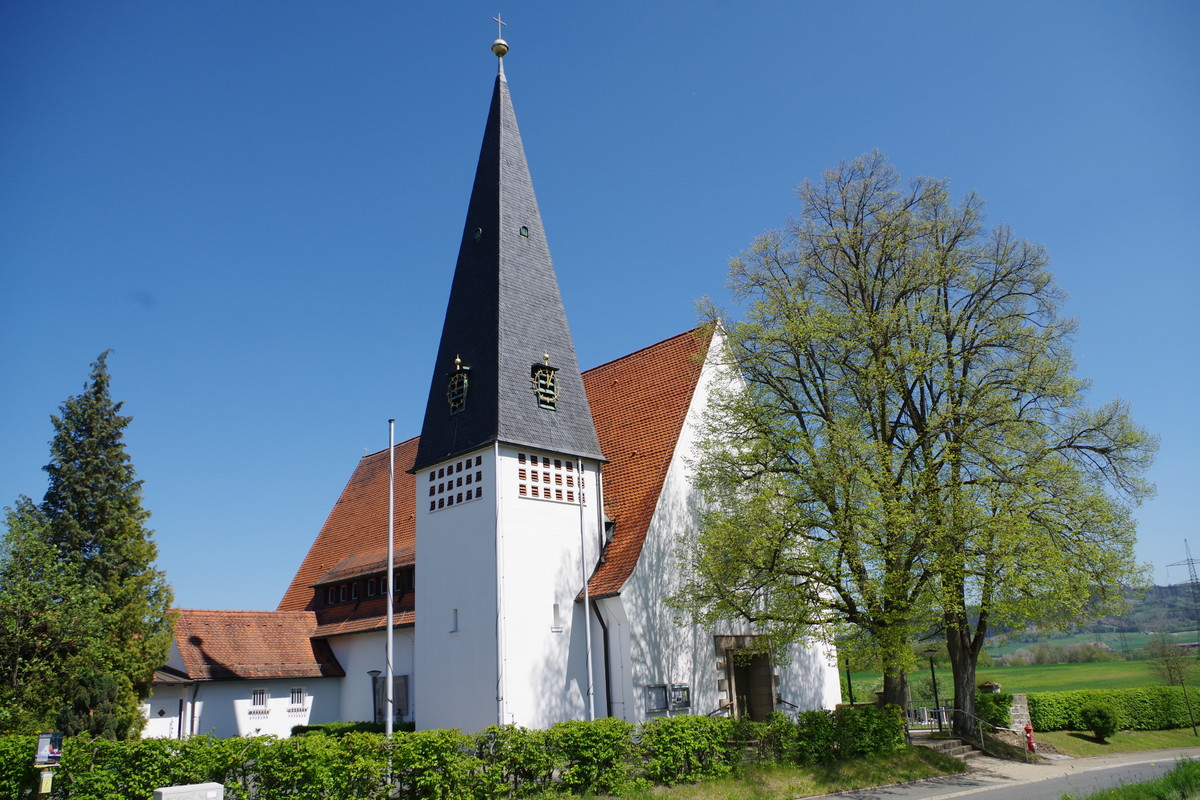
{"x": 258, "y": 205}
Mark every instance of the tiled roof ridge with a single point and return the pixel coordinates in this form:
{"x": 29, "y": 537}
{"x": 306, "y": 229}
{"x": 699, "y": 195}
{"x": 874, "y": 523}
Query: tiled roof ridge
{"x": 272, "y": 611}
{"x": 383, "y": 451}
{"x": 691, "y": 332}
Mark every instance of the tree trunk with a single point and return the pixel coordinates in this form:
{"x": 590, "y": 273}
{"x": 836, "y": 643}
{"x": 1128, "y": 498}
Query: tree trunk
{"x": 895, "y": 687}
{"x": 964, "y": 642}
{"x": 963, "y": 662}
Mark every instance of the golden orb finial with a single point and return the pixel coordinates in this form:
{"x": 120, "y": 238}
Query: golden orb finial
{"x": 499, "y": 47}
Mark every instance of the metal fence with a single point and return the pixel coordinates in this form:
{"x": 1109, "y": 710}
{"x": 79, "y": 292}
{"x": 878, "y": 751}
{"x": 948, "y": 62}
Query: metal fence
{"x": 923, "y": 715}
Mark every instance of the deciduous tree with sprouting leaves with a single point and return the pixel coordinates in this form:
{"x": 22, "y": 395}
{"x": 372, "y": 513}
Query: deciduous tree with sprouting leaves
{"x": 909, "y": 448}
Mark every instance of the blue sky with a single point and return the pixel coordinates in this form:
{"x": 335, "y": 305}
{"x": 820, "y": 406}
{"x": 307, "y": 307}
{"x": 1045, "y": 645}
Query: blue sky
{"x": 257, "y": 207}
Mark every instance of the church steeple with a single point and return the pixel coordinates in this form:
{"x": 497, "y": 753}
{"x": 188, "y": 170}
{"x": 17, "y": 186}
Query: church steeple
{"x": 506, "y": 369}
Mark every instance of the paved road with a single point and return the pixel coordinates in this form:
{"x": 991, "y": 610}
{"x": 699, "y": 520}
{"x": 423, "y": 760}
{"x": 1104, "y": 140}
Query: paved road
{"x": 993, "y": 779}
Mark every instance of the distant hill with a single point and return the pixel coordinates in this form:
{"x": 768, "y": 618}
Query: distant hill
{"x": 1162, "y": 609}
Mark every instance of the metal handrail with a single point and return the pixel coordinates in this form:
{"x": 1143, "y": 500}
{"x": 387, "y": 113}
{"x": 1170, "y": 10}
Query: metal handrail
{"x": 982, "y": 741}
{"x": 724, "y": 707}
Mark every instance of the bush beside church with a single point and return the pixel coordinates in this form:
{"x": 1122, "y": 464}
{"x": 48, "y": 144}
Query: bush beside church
{"x": 605, "y": 756}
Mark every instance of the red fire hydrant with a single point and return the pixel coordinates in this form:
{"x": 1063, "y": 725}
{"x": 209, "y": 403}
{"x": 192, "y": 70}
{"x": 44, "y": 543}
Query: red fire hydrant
{"x": 1029, "y": 738}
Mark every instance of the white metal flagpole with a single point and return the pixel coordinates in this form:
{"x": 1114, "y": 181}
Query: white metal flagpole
{"x": 390, "y": 713}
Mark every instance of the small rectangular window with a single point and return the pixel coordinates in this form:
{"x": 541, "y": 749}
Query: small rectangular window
{"x": 298, "y": 697}
{"x": 354, "y": 591}
{"x": 370, "y": 587}
{"x": 454, "y": 620}
{"x": 258, "y": 698}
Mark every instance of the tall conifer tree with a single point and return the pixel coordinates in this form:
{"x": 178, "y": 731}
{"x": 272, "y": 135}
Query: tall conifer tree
{"x": 92, "y": 518}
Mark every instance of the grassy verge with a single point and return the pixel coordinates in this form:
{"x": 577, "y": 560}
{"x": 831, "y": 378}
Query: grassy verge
{"x": 1181, "y": 783}
{"x": 774, "y": 782}
{"x": 1081, "y": 744}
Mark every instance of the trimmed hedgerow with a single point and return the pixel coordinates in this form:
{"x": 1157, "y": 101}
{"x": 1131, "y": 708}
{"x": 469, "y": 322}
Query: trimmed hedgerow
{"x": 607, "y": 756}
{"x": 1150, "y": 708}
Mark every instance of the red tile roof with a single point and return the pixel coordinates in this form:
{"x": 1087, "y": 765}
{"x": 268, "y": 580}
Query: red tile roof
{"x": 353, "y": 541}
{"x": 638, "y": 403}
{"x": 220, "y": 645}
{"x": 366, "y": 615}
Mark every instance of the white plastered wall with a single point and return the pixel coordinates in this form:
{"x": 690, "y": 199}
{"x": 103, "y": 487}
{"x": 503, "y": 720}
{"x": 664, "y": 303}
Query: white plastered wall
{"x": 455, "y": 682}
{"x": 657, "y": 646}
{"x": 359, "y": 653}
{"x": 546, "y": 549}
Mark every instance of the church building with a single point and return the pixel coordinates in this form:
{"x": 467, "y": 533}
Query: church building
{"x": 536, "y": 519}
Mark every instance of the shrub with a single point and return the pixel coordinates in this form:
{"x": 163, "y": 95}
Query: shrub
{"x": 433, "y": 764}
{"x": 18, "y": 778}
{"x": 684, "y": 749}
{"x": 1101, "y": 719}
{"x": 994, "y": 707}
{"x": 780, "y": 738}
{"x": 593, "y": 756}
{"x": 340, "y": 728}
{"x": 815, "y": 743}
{"x": 514, "y": 761}
{"x": 865, "y": 730}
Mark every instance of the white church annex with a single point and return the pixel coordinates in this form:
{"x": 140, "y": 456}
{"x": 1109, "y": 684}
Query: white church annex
{"x": 536, "y": 519}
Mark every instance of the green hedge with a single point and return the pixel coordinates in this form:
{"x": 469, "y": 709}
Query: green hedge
{"x": 18, "y": 778}
{"x": 607, "y": 756}
{"x": 687, "y": 749}
{"x": 1150, "y": 708}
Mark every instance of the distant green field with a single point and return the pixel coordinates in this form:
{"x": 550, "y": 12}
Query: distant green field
{"x": 1057, "y": 677}
{"x": 1121, "y": 642}
{"x": 1048, "y": 678}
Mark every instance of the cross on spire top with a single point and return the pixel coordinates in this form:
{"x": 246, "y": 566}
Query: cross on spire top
{"x": 500, "y": 47}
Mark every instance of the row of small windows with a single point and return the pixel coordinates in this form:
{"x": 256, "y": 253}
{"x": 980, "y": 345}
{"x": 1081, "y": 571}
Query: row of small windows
{"x": 553, "y": 479}
{"x": 460, "y": 481}
{"x": 558, "y": 478}
{"x": 451, "y": 499}
{"x": 546, "y": 461}
{"x": 466, "y": 463}
{"x": 456, "y": 483}
{"x": 374, "y": 586}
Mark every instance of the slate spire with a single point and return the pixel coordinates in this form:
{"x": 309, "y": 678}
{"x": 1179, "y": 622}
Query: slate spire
{"x": 505, "y": 336}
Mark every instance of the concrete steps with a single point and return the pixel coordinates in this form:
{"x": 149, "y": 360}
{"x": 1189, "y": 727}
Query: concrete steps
{"x": 955, "y": 748}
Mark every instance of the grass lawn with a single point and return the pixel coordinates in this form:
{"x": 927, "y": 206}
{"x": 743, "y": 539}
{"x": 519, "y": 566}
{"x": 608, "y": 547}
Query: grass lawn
{"x": 1081, "y": 744}
{"x": 763, "y": 782}
{"x": 1058, "y": 677}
